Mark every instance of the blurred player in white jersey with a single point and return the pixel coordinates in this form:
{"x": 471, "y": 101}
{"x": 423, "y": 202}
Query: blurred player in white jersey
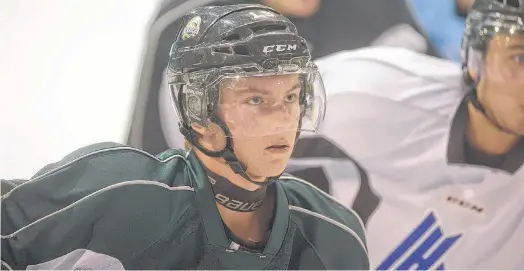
{"x": 438, "y": 149}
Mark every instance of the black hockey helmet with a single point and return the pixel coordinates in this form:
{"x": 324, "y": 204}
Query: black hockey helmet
{"x": 220, "y": 47}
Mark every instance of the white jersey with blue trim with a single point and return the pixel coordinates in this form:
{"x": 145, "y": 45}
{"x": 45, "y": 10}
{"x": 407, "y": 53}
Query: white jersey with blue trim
{"x": 396, "y": 113}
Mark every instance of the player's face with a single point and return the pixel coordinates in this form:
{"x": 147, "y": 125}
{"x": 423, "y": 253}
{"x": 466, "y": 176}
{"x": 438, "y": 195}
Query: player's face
{"x": 501, "y": 87}
{"x": 262, "y": 114}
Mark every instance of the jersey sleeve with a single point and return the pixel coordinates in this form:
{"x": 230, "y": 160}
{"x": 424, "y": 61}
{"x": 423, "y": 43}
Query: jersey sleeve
{"x": 66, "y": 192}
{"x": 39, "y": 193}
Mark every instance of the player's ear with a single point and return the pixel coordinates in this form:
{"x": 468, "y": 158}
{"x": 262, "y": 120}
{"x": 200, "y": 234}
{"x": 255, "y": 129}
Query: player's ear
{"x": 211, "y": 130}
{"x": 474, "y": 64}
{"x": 201, "y": 130}
{"x": 211, "y": 137}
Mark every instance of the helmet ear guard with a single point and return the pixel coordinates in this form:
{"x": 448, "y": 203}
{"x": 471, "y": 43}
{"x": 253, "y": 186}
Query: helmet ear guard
{"x": 472, "y": 67}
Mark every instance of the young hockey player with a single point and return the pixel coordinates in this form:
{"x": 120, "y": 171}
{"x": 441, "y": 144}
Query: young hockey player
{"x": 243, "y": 86}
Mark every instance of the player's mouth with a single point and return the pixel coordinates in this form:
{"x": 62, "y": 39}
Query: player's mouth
{"x": 279, "y": 148}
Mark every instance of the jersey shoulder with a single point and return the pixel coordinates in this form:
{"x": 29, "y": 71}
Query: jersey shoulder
{"x": 303, "y": 194}
{"x": 104, "y": 156}
{"x": 102, "y": 184}
{"x": 391, "y": 104}
{"x": 87, "y": 172}
{"x": 395, "y": 74}
{"x": 312, "y": 208}
{"x": 96, "y": 167}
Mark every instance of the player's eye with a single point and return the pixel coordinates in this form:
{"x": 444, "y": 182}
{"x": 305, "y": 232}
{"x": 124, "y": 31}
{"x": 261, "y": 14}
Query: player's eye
{"x": 518, "y": 59}
{"x": 291, "y": 98}
{"x": 255, "y": 100}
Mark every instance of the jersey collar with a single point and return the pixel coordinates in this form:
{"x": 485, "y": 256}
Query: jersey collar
{"x": 213, "y": 225}
{"x": 456, "y": 145}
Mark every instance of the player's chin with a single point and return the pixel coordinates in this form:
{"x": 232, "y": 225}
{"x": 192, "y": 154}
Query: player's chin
{"x": 272, "y": 168}
{"x": 519, "y": 131}
{"x": 517, "y": 127}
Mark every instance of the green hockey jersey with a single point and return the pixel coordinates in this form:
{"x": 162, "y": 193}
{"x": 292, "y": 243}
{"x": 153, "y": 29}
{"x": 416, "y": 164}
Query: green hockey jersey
{"x": 111, "y": 206}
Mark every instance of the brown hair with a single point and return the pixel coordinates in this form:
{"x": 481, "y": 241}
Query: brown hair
{"x": 187, "y": 145}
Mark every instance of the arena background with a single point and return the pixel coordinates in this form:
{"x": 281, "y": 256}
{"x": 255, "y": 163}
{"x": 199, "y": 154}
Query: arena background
{"x": 74, "y": 72}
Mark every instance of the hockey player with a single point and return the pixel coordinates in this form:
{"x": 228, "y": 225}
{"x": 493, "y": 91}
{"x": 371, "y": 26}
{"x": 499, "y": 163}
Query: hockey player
{"x": 244, "y": 87}
{"x": 439, "y": 149}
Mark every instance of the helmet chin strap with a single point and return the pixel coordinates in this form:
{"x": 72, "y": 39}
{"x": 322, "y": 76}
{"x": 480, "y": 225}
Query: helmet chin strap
{"x": 226, "y": 153}
{"x": 472, "y": 97}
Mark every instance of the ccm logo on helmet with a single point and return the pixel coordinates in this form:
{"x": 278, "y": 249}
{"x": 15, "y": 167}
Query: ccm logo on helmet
{"x": 279, "y": 48}
{"x": 236, "y": 205}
